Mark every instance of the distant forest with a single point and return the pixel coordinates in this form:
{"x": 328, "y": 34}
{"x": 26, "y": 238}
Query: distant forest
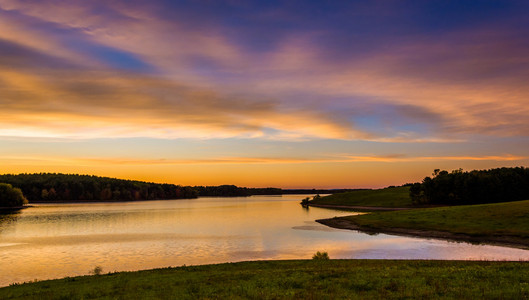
{"x": 53, "y": 187}
{"x": 232, "y": 190}
{"x": 474, "y": 187}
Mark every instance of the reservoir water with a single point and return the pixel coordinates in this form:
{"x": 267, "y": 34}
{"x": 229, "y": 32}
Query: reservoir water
{"x": 57, "y": 240}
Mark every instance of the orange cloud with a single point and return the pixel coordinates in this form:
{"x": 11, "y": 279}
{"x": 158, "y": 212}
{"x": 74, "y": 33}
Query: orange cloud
{"x": 293, "y": 91}
{"x": 80, "y": 104}
{"x": 248, "y": 160}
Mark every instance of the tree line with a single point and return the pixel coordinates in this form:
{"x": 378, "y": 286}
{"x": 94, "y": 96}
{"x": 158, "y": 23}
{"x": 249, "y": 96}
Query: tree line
{"x": 473, "y": 187}
{"x": 235, "y": 191}
{"x": 232, "y": 190}
{"x": 50, "y": 187}
{"x": 57, "y": 187}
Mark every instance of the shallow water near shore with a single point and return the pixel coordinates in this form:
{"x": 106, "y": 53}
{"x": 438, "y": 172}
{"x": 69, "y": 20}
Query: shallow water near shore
{"x": 57, "y": 240}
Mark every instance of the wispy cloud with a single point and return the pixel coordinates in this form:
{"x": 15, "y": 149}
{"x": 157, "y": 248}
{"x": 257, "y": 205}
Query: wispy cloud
{"x": 204, "y": 79}
{"x": 94, "y": 104}
{"x": 393, "y": 158}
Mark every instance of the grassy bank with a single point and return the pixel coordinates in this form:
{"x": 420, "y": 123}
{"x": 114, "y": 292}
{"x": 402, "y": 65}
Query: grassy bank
{"x": 506, "y": 223}
{"x": 388, "y": 197}
{"x": 334, "y": 279}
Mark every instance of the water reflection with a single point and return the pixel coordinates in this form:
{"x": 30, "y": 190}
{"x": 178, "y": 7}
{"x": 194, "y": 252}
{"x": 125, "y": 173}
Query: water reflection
{"x": 50, "y": 241}
{"x": 7, "y": 218}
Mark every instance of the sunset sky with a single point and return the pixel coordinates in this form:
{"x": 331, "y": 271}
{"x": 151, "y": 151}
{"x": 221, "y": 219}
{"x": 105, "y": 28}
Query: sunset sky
{"x": 292, "y": 94}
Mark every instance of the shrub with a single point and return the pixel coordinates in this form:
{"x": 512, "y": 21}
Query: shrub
{"x": 10, "y": 196}
{"x": 321, "y": 256}
{"x": 305, "y": 201}
{"x": 97, "y": 270}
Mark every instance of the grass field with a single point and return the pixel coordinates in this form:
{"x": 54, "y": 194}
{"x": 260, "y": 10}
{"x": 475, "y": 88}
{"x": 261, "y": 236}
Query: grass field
{"x": 306, "y": 279}
{"x": 509, "y": 220}
{"x": 388, "y": 197}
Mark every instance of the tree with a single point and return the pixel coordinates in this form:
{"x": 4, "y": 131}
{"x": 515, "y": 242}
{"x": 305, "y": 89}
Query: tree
{"x": 321, "y": 256}
{"x": 10, "y": 196}
{"x": 417, "y": 194}
{"x": 474, "y": 187}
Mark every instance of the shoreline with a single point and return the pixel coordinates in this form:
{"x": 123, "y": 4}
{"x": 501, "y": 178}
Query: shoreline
{"x": 140, "y": 200}
{"x": 506, "y": 241}
{"x": 99, "y": 201}
{"x": 294, "y": 279}
{"x": 359, "y": 207}
{"x": 265, "y": 262}
{"x": 15, "y": 208}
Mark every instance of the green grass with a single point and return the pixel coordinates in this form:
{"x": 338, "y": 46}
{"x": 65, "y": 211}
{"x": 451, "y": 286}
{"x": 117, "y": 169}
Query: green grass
{"x": 307, "y": 279}
{"x": 388, "y": 197}
{"x": 500, "y": 219}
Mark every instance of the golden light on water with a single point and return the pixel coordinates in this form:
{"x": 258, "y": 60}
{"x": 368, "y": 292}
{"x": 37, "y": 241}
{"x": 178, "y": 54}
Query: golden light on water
{"x": 58, "y": 240}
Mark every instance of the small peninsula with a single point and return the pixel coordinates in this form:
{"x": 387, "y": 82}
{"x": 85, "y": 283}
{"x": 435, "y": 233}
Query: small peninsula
{"x": 454, "y": 213}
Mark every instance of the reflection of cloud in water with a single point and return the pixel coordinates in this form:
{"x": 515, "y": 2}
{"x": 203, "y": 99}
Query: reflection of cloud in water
{"x": 389, "y": 247}
{"x": 314, "y": 227}
{"x": 69, "y": 240}
{"x": 114, "y": 238}
{"x": 7, "y": 219}
{"x": 9, "y": 244}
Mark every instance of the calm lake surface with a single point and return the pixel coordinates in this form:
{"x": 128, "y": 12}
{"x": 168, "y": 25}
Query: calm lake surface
{"x": 58, "y": 240}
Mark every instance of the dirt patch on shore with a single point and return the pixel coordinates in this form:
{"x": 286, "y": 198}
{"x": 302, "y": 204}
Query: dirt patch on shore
{"x": 509, "y": 241}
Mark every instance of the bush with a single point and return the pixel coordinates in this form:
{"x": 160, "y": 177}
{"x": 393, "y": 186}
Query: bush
{"x": 10, "y": 196}
{"x": 321, "y": 256}
{"x": 97, "y": 271}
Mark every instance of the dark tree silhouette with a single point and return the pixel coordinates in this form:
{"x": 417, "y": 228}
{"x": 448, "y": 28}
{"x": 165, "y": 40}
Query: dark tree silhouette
{"x": 50, "y": 187}
{"x": 10, "y": 196}
{"x": 474, "y": 187}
